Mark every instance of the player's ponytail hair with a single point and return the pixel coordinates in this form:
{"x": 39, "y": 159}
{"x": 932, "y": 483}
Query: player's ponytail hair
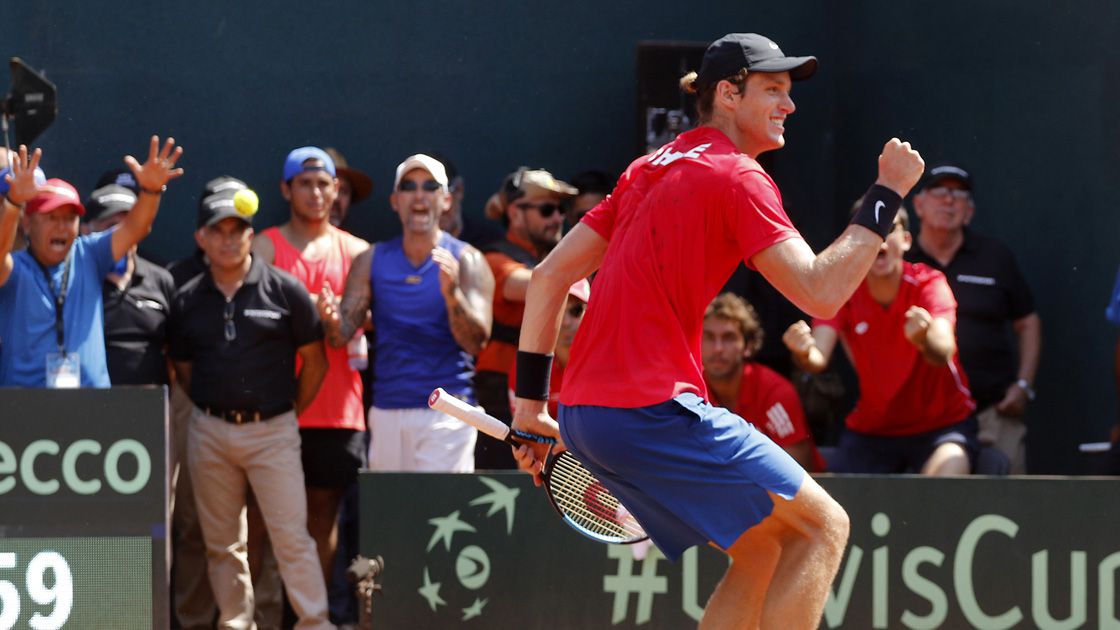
{"x": 706, "y": 95}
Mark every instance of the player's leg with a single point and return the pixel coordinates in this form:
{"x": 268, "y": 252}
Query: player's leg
{"x": 331, "y": 459}
{"x": 783, "y": 567}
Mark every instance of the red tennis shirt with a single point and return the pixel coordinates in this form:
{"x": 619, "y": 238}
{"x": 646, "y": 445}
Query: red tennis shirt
{"x": 900, "y": 392}
{"x": 678, "y": 223}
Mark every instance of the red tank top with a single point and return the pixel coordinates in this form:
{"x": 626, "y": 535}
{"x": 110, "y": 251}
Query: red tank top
{"x": 338, "y": 405}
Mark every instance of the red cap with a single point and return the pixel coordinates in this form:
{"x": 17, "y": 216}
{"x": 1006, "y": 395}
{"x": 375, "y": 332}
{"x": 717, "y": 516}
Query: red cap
{"x": 55, "y": 194}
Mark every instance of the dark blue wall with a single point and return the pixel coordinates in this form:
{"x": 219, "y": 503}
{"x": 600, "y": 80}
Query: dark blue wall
{"x": 1021, "y": 92}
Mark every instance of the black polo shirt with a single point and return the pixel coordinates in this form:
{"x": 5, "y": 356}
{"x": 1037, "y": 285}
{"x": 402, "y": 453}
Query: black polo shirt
{"x": 184, "y": 269}
{"x": 136, "y": 325}
{"x": 991, "y": 293}
{"x": 272, "y": 316}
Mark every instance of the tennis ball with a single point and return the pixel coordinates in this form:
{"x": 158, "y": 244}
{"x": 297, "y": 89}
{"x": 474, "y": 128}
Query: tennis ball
{"x": 245, "y": 202}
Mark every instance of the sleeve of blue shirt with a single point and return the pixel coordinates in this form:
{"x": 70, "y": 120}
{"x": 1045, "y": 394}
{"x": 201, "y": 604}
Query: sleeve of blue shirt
{"x": 101, "y": 251}
{"x": 1112, "y": 313}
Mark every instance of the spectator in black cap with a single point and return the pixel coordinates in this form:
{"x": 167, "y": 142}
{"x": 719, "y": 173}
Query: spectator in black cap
{"x": 136, "y": 297}
{"x": 192, "y": 599}
{"x": 236, "y": 335}
{"x": 992, "y": 296}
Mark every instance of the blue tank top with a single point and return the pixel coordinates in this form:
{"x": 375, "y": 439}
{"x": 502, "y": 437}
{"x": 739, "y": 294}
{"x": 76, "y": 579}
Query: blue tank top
{"x": 414, "y": 351}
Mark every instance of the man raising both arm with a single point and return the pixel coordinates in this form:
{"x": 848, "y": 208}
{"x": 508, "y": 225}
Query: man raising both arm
{"x": 675, "y": 227}
{"x": 430, "y": 294}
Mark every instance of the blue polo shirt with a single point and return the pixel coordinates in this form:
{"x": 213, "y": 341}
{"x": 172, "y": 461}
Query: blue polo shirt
{"x": 27, "y": 318}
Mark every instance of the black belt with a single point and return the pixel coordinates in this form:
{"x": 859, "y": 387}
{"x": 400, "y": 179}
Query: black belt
{"x": 244, "y": 416}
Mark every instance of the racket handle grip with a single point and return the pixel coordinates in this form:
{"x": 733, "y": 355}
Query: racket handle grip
{"x": 443, "y": 402}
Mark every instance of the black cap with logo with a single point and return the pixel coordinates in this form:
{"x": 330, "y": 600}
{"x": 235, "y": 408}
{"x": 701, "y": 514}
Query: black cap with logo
{"x": 731, "y": 53}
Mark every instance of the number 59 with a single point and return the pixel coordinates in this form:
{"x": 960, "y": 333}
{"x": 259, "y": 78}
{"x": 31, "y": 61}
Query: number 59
{"x": 61, "y": 594}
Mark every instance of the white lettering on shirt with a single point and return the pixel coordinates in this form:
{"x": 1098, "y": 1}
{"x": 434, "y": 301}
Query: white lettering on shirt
{"x": 256, "y": 312}
{"x": 666, "y": 156}
{"x": 984, "y": 280}
{"x": 779, "y": 422}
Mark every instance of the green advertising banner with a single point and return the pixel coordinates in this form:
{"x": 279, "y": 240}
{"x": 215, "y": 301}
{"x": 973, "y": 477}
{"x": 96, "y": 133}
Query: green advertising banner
{"x": 83, "y": 508}
{"x": 487, "y": 551}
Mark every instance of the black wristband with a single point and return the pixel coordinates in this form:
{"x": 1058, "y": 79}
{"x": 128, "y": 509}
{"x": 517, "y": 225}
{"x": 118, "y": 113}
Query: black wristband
{"x": 876, "y": 213}
{"x": 534, "y": 371}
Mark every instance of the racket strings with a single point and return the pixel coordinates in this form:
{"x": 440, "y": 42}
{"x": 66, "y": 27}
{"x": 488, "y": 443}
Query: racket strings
{"x": 584, "y": 500}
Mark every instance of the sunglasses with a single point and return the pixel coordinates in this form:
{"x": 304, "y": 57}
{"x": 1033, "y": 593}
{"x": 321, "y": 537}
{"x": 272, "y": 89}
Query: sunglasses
{"x": 429, "y": 185}
{"x": 227, "y": 316}
{"x": 546, "y": 209}
{"x": 944, "y": 192}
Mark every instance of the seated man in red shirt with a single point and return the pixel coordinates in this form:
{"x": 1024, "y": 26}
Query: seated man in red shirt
{"x": 732, "y": 335}
{"x": 915, "y": 413}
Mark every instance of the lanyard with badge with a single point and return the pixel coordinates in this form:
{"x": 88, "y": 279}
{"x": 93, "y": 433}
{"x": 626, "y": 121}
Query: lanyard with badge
{"x": 63, "y": 369}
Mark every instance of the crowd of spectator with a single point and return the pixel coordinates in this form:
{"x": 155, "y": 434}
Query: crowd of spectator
{"x": 277, "y": 400}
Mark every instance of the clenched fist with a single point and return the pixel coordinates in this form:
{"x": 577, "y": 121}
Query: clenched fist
{"x": 900, "y": 167}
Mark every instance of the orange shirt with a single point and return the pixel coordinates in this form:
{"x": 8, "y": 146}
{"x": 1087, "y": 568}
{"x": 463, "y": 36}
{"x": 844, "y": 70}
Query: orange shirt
{"x": 338, "y": 405}
{"x": 499, "y": 356}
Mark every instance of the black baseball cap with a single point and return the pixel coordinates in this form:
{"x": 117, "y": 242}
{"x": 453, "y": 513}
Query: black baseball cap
{"x": 220, "y": 206}
{"x": 109, "y": 200}
{"x": 120, "y": 177}
{"x": 223, "y": 182}
{"x": 757, "y": 53}
{"x": 944, "y": 171}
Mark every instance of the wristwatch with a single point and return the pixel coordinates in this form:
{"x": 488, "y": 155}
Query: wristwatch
{"x": 1026, "y": 387}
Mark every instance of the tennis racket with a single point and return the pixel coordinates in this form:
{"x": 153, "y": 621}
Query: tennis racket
{"x": 580, "y": 499}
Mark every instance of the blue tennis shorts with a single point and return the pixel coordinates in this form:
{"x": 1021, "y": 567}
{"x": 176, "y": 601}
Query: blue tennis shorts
{"x": 690, "y": 472}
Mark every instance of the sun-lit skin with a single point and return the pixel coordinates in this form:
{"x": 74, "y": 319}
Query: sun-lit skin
{"x": 311, "y": 194}
{"x": 888, "y": 262}
{"x": 722, "y": 348}
{"x": 525, "y": 219}
{"x": 226, "y": 243}
{"x": 943, "y": 212}
{"x": 419, "y": 209}
{"x": 762, "y": 109}
{"x": 50, "y": 234}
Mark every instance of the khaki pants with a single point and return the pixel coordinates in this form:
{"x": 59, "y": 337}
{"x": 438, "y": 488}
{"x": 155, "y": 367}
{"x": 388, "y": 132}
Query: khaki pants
{"x": 1007, "y": 435}
{"x": 193, "y": 601}
{"x": 225, "y": 459}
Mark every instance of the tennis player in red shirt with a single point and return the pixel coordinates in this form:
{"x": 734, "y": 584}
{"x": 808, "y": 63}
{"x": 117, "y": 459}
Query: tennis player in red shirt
{"x": 754, "y": 392}
{"x": 634, "y": 406}
{"x": 915, "y": 413}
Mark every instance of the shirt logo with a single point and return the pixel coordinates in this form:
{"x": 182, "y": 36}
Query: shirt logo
{"x": 260, "y": 313}
{"x": 665, "y": 156}
{"x": 862, "y": 328}
{"x": 779, "y": 421}
{"x": 982, "y": 280}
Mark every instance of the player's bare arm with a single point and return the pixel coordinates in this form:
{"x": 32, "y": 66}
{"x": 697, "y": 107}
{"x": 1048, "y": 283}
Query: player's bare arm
{"x": 311, "y": 374}
{"x": 932, "y": 336}
{"x": 341, "y": 320}
{"x": 151, "y": 176}
{"x": 577, "y": 256}
{"x": 820, "y": 284}
{"x": 811, "y": 349}
{"x": 467, "y": 285}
